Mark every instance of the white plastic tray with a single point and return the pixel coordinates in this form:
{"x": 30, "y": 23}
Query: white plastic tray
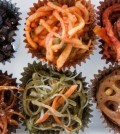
{"x": 88, "y": 69}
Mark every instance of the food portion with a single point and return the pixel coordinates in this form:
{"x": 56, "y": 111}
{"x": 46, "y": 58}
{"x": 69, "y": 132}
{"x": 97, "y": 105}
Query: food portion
{"x": 8, "y": 25}
{"x": 110, "y": 32}
{"x": 108, "y": 96}
{"x": 8, "y": 104}
{"x": 54, "y": 101}
{"x": 60, "y": 33}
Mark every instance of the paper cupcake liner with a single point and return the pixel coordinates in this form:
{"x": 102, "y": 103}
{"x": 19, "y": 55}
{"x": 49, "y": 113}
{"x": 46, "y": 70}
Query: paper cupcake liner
{"x": 79, "y": 58}
{"x": 94, "y": 87}
{"x": 27, "y": 74}
{"x": 12, "y": 8}
{"x": 101, "y": 8}
{"x": 12, "y": 128}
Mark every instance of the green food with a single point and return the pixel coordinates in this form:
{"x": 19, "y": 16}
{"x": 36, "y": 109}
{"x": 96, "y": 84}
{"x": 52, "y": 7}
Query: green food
{"x": 39, "y": 93}
{"x": 56, "y": 41}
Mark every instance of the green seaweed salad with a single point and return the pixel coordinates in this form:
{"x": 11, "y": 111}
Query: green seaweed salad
{"x": 54, "y": 101}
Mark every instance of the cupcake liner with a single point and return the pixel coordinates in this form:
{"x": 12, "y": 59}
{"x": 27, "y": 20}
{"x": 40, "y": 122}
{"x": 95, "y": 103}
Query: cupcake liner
{"x": 101, "y": 8}
{"x": 13, "y": 128}
{"x": 94, "y": 87}
{"x": 15, "y": 10}
{"x": 27, "y": 74}
{"x": 79, "y": 58}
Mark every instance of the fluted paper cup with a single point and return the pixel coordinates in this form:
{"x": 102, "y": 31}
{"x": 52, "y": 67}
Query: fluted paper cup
{"x": 32, "y": 68}
{"x": 99, "y": 79}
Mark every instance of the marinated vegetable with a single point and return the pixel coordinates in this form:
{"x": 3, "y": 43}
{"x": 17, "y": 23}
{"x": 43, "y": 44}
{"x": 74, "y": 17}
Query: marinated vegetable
{"x": 110, "y": 31}
{"x": 54, "y": 101}
{"x": 60, "y": 33}
{"x": 8, "y": 100}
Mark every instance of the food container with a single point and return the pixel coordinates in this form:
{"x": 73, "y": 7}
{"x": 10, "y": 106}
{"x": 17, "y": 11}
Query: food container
{"x": 9, "y": 26}
{"x": 105, "y": 85}
{"x": 80, "y": 55}
{"x": 107, "y": 53}
{"x": 14, "y": 103}
{"x": 37, "y": 70}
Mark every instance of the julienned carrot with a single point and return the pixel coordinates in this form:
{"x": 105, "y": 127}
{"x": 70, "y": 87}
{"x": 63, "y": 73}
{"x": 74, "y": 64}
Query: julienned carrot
{"x": 54, "y": 105}
{"x": 55, "y": 117}
{"x": 102, "y": 33}
{"x": 69, "y": 92}
{"x": 46, "y": 115}
{"x": 56, "y": 99}
{"x": 57, "y": 120}
{"x": 60, "y": 101}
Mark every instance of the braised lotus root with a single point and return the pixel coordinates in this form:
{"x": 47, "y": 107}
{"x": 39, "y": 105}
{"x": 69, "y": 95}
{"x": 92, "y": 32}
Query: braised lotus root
{"x": 8, "y": 98}
{"x": 108, "y": 97}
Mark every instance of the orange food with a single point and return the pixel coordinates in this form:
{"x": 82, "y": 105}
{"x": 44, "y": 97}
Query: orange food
{"x": 110, "y": 32}
{"x": 7, "y": 108}
{"x": 102, "y": 33}
{"x": 62, "y": 22}
{"x": 60, "y": 101}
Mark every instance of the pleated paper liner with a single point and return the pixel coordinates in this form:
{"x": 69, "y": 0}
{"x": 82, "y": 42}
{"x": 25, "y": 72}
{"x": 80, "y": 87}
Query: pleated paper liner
{"x": 12, "y": 128}
{"x": 78, "y": 58}
{"x": 11, "y": 7}
{"x": 98, "y": 78}
{"x": 27, "y": 74}
{"x": 101, "y": 8}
